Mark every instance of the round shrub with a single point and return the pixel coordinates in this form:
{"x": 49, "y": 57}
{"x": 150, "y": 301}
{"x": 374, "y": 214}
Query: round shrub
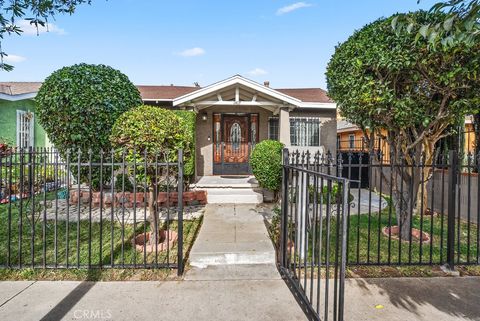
{"x": 78, "y": 105}
{"x": 266, "y": 163}
{"x": 150, "y": 129}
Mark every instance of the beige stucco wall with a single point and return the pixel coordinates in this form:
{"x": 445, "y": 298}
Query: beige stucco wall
{"x": 204, "y": 137}
{"x": 328, "y": 129}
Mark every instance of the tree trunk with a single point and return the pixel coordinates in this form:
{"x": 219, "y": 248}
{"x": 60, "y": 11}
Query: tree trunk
{"x": 406, "y": 189}
{"x": 153, "y": 217}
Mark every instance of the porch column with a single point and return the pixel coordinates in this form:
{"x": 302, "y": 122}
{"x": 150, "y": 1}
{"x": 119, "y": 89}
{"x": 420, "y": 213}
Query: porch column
{"x": 284, "y": 126}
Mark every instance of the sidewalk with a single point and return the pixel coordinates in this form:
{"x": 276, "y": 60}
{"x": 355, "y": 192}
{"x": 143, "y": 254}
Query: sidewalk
{"x": 437, "y": 299}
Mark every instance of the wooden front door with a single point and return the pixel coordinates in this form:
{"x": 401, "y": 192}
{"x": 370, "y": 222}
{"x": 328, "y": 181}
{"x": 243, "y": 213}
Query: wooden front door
{"x": 234, "y": 137}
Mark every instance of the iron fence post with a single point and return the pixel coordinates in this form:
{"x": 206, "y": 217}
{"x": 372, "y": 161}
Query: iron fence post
{"x": 284, "y": 221}
{"x": 452, "y": 192}
{"x": 180, "y": 212}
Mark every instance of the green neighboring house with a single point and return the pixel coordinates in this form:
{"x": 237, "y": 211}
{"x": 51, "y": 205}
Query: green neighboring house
{"x": 18, "y": 121}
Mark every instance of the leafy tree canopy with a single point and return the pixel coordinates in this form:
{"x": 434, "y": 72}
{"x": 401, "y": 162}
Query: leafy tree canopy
{"x": 37, "y": 12}
{"x": 380, "y": 79}
{"x": 154, "y": 132}
{"x": 460, "y": 24}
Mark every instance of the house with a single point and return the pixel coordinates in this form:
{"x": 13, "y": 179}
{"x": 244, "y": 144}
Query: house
{"x": 232, "y": 116}
{"x": 350, "y": 138}
{"x": 18, "y": 125}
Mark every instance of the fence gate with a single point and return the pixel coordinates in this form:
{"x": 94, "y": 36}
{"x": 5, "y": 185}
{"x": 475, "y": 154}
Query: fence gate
{"x": 314, "y": 236}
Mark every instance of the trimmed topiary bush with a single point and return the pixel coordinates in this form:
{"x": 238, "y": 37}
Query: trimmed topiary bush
{"x": 78, "y": 105}
{"x": 266, "y": 163}
{"x": 147, "y": 134}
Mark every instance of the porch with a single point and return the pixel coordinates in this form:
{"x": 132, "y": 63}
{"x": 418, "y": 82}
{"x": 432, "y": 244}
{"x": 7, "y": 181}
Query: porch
{"x": 234, "y": 115}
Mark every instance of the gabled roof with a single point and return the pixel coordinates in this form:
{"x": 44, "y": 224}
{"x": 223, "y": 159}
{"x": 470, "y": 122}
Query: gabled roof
{"x": 236, "y": 80}
{"x": 164, "y": 92}
{"x": 316, "y": 97}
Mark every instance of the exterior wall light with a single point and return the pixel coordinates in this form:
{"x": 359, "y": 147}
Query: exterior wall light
{"x": 204, "y": 116}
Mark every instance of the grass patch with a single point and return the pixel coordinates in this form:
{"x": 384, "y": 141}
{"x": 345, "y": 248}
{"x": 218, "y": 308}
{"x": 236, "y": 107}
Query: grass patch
{"x": 367, "y": 245}
{"x": 87, "y": 275}
{"x": 82, "y": 244}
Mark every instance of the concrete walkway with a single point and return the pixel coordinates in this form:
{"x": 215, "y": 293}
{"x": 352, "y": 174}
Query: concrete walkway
{"x": 232, "y": 234}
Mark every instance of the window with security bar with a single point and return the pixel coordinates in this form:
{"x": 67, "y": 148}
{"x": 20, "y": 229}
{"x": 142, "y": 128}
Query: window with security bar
{"x": 25, "y": 128}
{"x": 273, "y": 128}
{"x": 305, "y": 131}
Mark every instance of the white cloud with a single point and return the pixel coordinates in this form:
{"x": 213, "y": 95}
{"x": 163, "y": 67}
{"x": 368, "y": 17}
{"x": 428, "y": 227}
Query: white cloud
{"x": 13, "y": 58}
{"x": 192, "y": 52}
{"x": 31, "y": 29}
{"x": 257, "y": 72}
{"x": 293, "y": 7}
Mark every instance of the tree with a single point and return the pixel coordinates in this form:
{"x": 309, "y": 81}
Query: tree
{"x": 460, "y": 25}
{"x": 37, "y": 12}
{"x": 381, "y": 81}
{"x": 149, "y": 134}
{"x": 78, "y": 105}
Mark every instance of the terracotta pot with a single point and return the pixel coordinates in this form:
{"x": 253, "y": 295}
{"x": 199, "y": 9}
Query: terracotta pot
{"x": 395, "y": 230}
{"x": 141, "y": 241}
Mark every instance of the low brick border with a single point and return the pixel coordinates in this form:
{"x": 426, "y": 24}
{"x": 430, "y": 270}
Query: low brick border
{"x": 129, "y": 199}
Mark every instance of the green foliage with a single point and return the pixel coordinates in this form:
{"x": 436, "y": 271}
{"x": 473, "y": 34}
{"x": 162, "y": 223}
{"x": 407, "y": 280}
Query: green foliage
{"x": 78, "y": 105}
{"x": 460, "y": 24}
{"x": 266, "y": 163}
{"x": 151, "y": 134}
{"x": 37, "y": 12}
{"x": 379, "y": 79}
{"x": 334, "y": 197}
{"x": 189, "y": 119}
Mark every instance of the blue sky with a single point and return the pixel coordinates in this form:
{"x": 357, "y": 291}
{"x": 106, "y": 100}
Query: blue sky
{"x": 181, "y": 42}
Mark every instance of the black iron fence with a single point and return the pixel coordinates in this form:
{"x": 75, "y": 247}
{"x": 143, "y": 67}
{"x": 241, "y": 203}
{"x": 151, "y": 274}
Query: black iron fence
{"x": 405, "y": 211}
{"x": 107, "y": 209}
{"x": 314, "y": 237}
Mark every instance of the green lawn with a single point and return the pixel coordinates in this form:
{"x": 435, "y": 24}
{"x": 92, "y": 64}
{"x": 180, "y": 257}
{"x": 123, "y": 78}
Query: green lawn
{"x": 374, "y": 247}
{"x": 368, "y": 245}
{"x": 92, "y": 244}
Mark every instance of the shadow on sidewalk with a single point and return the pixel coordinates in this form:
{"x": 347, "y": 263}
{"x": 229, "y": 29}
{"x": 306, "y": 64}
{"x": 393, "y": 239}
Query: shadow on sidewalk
{"x": 68, "y": 302}
{"x": 458, "y": 297}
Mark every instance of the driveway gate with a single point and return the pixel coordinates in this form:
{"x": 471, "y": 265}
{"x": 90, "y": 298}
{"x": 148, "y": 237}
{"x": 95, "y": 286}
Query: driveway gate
{"x": 313, "y": 237}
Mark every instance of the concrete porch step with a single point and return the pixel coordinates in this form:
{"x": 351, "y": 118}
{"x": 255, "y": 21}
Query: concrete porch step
{"x": 239, "y": 182}
{"x": 234, "y": 272}
{"x": 202, "y": 260}
{"x": 233, "y": 196}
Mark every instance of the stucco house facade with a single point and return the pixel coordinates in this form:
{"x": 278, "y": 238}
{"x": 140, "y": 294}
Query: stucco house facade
{"x": 232, "y": 116}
